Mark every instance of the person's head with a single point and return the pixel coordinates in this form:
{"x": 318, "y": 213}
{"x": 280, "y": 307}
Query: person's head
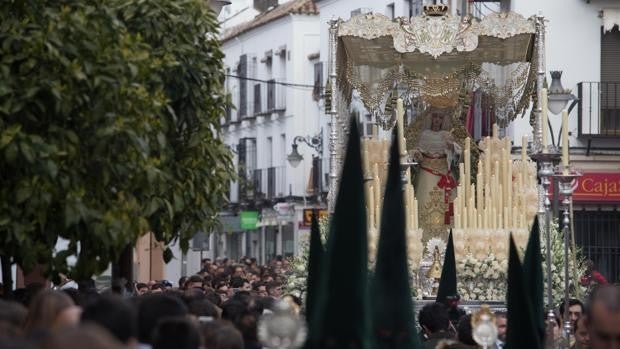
{"x": 82, "y": 337}
{"x": 51, "y": 311}
{"x": 434, "y": 318}
{"x": 176, "y": 333}
{"x": 115, "y": 315}
{"x": 224, "y": 292}
{"x": 581, "y": 334}
{"x": 182, "y": 281}
{"x": 12, "y": 316}
{"x": 575, "y": 310}
{"x": 274, "y": 289}
{"x": 464, "y": 331}
{"x": 436, "y": 121}
{"x": 141, "y": 288}
{"x": 154, "y": 307}
{"x": 603, "y": 317}
{"x": 213, "y": 297}
{"x": 244, "y": 319}
{"x": 501, "y": 321}
{"x": 157, "y": 288}
{"x": 194, "y": 281}
{"x": 221, "y": 335}
{"x": 238, "y": 271}
{"x": 202, "y": 309}
{"x": 260, "y": 289}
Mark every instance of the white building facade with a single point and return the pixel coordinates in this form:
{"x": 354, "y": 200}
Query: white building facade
{"x": 271, "y": 65}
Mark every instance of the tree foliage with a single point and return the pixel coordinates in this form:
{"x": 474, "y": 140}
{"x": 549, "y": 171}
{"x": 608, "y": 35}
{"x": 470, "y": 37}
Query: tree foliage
{"x": 109, "y": 113}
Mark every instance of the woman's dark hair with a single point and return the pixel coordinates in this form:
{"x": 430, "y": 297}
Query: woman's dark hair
{"x": 176, "y": 333}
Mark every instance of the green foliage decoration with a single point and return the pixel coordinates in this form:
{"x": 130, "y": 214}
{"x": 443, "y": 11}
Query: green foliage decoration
{"x": 109, "y": 114}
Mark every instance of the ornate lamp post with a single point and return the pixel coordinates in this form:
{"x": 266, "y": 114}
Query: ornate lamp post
{"x": 566, "y": 177}
{"x": 546, "y": 161}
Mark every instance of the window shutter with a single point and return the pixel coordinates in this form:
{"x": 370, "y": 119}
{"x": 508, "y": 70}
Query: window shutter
{"x": 243, "y": 85}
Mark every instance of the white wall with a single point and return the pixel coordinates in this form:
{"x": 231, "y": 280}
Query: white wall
{"x": 573, "y": 41}
{"x": 300, "y": 35}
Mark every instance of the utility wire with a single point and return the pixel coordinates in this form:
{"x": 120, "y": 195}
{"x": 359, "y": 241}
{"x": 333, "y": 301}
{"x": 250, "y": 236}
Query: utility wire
{"x": 289, "y": 84}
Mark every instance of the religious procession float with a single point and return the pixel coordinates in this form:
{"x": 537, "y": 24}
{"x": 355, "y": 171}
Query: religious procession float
{"x": 452, "y": 84}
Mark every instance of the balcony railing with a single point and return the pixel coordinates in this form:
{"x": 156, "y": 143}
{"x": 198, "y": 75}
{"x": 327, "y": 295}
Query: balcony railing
{"x": 599, "y": 109}
{"x": 270, "y": 183}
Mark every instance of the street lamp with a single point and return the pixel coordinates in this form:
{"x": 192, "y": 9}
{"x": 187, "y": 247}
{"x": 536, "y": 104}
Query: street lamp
{"x": 294, "y": 158}
{"x": 315, "y": 142}
{"x": 558, "y": 96}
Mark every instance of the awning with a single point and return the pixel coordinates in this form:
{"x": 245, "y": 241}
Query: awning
{"x": 611, "y": 18}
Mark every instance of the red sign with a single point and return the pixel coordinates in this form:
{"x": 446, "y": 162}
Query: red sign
{"x": 598, "y": 186}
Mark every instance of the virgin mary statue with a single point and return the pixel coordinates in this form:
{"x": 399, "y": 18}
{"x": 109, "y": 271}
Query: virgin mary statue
{"x": 437, "y": 154}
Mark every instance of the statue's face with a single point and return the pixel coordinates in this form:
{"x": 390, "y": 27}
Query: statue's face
{"x": 436, "y": 121}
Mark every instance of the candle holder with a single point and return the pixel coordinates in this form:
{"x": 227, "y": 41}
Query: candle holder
{"x": 547, "y": 161}
{"x": 566, "y": 176}
{"x": 405, "y": 163}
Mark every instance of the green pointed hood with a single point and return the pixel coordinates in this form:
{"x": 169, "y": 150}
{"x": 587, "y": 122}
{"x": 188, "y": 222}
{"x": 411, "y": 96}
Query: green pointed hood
{"x": 447, "y": 283}
{"x": 392, "y": 303}
{"x": 521, "y": 332}
{"x": 342, "y": 313}
{"x": 533, "y": 278}
{"x": 314, "y": 268}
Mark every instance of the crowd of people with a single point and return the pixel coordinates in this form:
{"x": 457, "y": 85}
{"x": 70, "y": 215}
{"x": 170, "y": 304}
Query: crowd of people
{"x": 218, "y": 308}
{"x": 593, "y": 325}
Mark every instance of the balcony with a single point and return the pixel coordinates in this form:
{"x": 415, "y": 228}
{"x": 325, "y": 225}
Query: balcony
{"x": 599, "y": 109}
{"x": 270, "y": 183}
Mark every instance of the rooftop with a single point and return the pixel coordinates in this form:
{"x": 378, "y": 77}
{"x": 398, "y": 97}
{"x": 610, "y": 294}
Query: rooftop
{"x": 305, "y": 7}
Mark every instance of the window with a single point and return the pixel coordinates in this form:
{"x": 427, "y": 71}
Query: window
{"x": 271, "y": 95}
{"x": 257, "y": 100}
{"x": 610, "y": 82}
{"x": 269, "y": 152}
{"x": 242, "y": 71}
{"x": 318, "y": 81}
{"x": 389, "y": 10}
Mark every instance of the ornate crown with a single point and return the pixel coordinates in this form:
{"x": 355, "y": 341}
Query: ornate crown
{"x": 435, "y": 10}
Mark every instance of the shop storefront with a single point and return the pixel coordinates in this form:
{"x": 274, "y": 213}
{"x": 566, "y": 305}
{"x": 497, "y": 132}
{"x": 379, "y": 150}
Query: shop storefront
{"x": 596, "y": 217}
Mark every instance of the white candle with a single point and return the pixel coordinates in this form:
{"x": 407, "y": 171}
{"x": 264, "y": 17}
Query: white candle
{"x": 543, "y": 119}
{"x": 495, "y": 131}
{"x": 467, "y": 160}
{"x": 479, "y": 198}
{"x": 565, "y": 140}
{"x": 371, "y": 207}
{"x": 487, "y": 161}
{"x": 524, "y": 148}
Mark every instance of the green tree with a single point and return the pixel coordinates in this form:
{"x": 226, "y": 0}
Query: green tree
{"x": 109, "y": 113}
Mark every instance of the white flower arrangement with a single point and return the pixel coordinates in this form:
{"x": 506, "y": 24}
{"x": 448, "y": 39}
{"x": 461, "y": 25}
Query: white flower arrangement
{"x": 482, "y": 279}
